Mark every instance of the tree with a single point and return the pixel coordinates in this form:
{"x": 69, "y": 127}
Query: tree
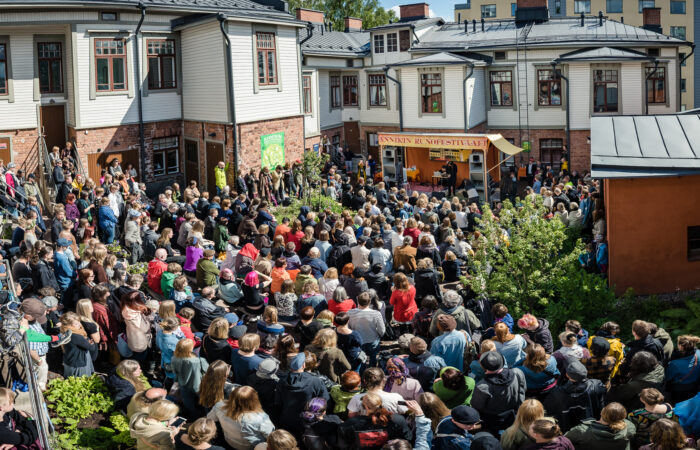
{"x": 311, "y": 168}
{"x": 370, "y": 11}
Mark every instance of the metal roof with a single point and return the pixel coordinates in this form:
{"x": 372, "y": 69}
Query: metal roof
{"x": 604, "y": 53}
{"x": 418, "y": 23}
{"x": 335, "y": 43}
{"x": 645, "y": 146}
{"x": 556, "y": 32}
{"x": 439, "y": 59}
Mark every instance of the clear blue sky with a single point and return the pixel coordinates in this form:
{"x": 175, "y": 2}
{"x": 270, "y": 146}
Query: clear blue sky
{"x": 441, "y": 8}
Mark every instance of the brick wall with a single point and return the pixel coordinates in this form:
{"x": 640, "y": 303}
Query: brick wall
{"x": 250, "y": 133}
{"x": 310, "y": 15}
{"x": 330, "y": 132}
{"x": 353, "y": 24}
{"x": 309, "y": 142}
{"x": 414, "y": 10}
{"x": 24, "y": 148}
{"x": 532, "y": 3}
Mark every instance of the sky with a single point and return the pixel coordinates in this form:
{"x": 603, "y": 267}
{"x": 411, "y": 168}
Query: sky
{"x": 438, "y": 8}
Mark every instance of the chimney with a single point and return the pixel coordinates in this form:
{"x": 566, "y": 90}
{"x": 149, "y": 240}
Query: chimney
{"x": 414, "y": 11}
{"x": 310, "y": 15}
{"x": 652, "y": 19}
{"x": 353, "y": 24}
{"x": 531, "y": 11}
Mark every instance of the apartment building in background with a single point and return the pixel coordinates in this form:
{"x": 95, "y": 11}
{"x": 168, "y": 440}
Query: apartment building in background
{"x": 678, "y": 18}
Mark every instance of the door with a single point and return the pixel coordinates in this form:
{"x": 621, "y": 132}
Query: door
{"x": 191, "y": 161}
{"x": 215, "y": 153}
{"x": 53, "y": 121}
{"x": 99, "y": 161}
{"x": 5, "y": 145}
{"x": 373, "y": 146}
{"x": 352, "y": 137}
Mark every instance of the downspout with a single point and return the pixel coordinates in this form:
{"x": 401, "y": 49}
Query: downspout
{"x": 309, "y": 32}
{"x": 137, "y": 67}
{"x": 231, "y": 99}
{"x": 646, "y": 87}
{"x": 413, "y": 30}
{"x": 568, "y": 105}
{"x": 678, "y": 77}
{"x": 464, "y": 99}
{"x": 386, "y": 72}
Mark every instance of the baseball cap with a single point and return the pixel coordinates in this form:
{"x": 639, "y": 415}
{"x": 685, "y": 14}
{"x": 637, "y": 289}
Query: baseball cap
{"x": 35, "y": 308}
{"x": 63, "y": 242}
{"x": 447, "y": 322}
{"x": 466, "y": 415}
{"x": 50, "y": 301}
{"x": 298, "y": 361}
{"x": 237, "y": 332}
{"x": 267, "y": 368}
{"x": 576, "y": 371}
{"x": 491, "y": 361}
{"x": 232, "y": 318}
{"x": 600, "y": 346}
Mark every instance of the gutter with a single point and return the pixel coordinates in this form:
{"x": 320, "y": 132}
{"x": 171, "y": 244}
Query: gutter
{"x": 231, "y": 98}
{"x": 558, "y": 73}
{"x": 137, "y": 67}
{"x": 464, "y": 98}
{"x": 386, "y": 72}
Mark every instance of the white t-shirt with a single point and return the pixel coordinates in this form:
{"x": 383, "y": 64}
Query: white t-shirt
{"x": 390, "y": 401}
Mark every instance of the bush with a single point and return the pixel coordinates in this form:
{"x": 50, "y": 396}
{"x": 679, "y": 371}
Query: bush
{"x": 317, "y": 202}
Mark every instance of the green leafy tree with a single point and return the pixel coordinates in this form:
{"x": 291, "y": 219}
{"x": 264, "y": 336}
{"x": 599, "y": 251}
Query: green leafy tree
{"x": 311, "y": 168}
{"x": 370, "y": 11}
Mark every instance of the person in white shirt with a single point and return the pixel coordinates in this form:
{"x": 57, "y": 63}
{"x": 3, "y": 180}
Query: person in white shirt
{"x": 373, "y": 380}
{"x": 115, "y": 200}
{"x": 360, "y": 254}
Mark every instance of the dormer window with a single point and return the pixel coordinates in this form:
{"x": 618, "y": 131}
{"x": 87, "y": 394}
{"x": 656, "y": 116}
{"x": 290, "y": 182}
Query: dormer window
{"x": 379, "y": 43}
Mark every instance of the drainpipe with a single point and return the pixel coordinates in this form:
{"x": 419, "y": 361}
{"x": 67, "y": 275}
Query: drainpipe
{"x": 464, "y": 99}
{"x": 137, "y": 66}
{"x": 678, "y": 77}
{"x": 646, "y": 87}
{"x": 309, "y": 32}
{"x": 558, "y": 73}
{"x": 386, "y": 72}
{"x": 231, "y": 100}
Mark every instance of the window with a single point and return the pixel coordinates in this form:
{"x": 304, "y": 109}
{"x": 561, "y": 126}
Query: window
{"x": 335, "y": 92}
{"x": 551, "y": 152}
{"x": 682, "y": 84}
{"x": 161, "y": 64}
{"x": 499, "y": 56}
{"x": 109, "y": 16}
{"x": 379, "y": 43}
{"x": 613, "y": 6}
{"x": 653, "y": 52}
{"x": 110, "y": 64}
{"x": 377, "y": 90}
{"x": 681, "y": 57}
{"x": 683, "y": 107}
{"x": 431, "y": 93}
{"x": 3, "y": 70}
{"x": 267, "y": 59}
{"x": 392, "y": 44}
{"x": 501, "y": 88}
{"x": 656, "y": 85}
{"x": 350, "y": 90}
{"x": 513, "y": 8}
{"x": 372, "y": 140}
{"x": 404, "y": 40}
{"x": 694, "y": 243}
{"x": 549, "y": 88}
{"x": 605, "y": 91}
{"x": 678, "y": 32}
{"x": 459, "y": 17}
{"x": 488, "y": 11}
{"x": 582, "y": 6}
{"x": 50, "y": 62}
{"x": 165, "y": 155}
{"x": 557, "y": 6}
{"x": 677, "y": 7}
{"x": 306, "y": 87}
{"x": 645, "y": 4}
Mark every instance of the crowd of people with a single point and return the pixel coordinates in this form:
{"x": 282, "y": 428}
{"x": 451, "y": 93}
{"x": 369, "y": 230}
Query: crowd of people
{"x": 215, "y": 326}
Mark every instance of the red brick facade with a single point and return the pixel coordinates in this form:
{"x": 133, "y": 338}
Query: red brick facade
{"x": 310, "y": 15}
{"x": 414, "y": 10}
{"x": 23, "y": 146}
{"x": 331, "y": 132}
{"x": 353, "y": 24}
{"x": 309, "y": 142}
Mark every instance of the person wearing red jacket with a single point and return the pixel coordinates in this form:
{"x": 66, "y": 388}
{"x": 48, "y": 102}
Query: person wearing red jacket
{"x": 155, "y": 270}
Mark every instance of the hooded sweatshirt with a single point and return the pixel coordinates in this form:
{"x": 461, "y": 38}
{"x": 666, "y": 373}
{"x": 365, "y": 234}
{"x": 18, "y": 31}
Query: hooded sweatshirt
{"x": 150, "y": 434}
{"x": 293, "y": 392}
{"x": 593, "y": 435}
{"x": 498, "y": 396}
{"x": 453, "y": 399}
{"x": 541, "y": 336}
{"x": 628, "y": 393}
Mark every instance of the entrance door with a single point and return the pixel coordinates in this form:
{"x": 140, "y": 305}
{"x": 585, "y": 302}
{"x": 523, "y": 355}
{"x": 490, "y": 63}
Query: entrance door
{"x": 5, "y": 153}
{"x": 99, "y": 161}
{"x": 191, "y": 161}
{"x": 373, "y": 146}
{"x": 215, "y": 153}
{"x": 352, "y": 137}
{"x": 53, "y": 121}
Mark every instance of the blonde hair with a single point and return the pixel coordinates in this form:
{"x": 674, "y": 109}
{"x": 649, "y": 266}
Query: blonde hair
{"x": 614, "y": 416}
{"x": 331, "y": 274}
{"x": 249, "y": 342}
{"x": 163, "y": 410}
{"x": 201, "y": 431}
{"x": 184, "y": 348}
{"x": 326, "y": 314}
{"x": 166, "y": 309}
{"x": 243, "y": 400}
{"x": 126, "y": 370}
{"x": 325, "y": 338}
{"x": 281, "y": 440}
{"x": 83, "y": 309}
{"x": 7, "y": 397}
{"x": 530, "y": 411}
{"x": 218, "y": 329}
{"x": 270, "y": 315}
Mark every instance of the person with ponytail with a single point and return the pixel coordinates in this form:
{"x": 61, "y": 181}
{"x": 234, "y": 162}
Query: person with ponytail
{"x": 320, "y": 430}
{"x": 373, "y": 427}
{"x": 611, "y": 432}
{"x": 683, "y": 372}
{"x": 518, "y": 435}
{"x": 547, "y": 435}
{"x": 126, "y": 380}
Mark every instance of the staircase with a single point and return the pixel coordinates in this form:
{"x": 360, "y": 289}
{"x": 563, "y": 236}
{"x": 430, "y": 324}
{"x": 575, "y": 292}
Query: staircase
{"x": 522, "y": 82}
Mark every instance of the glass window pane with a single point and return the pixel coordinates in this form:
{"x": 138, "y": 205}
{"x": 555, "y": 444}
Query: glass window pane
{"x": 172, "y": 161}
{"x": 56, "y": 81}
{"x": 44, "y": 79}
{"x": 272, "y": 75}
{"x": 261, "y": 68}
{"x": 102, "y": 69}
{"x": 2, "y": 52}
{"x": 159, "y": 163}
{"x": 118, "y": 73}
{"x": 496, "y": 94}
{"x": 153, "y": 73}
{"x": 168, "y": 72}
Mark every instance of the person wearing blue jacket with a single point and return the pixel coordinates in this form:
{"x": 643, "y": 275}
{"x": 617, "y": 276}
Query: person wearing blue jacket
{"x": 451, "y": 343}
{"x": 683, "y": 371}
{"x": 540, "y": 370}
{"x": 107, "y": 222}
{"x": 65, "y": 267}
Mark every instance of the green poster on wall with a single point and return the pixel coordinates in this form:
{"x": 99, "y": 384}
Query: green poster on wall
{"x": 272, "y": 150}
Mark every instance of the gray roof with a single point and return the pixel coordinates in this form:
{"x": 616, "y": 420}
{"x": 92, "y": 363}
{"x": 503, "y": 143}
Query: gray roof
{"x": 335, "y": 43}
{"x": 418, "y": 23}
{"x": 439, "y": 59}
{"x": 604, "y": 53}
{"x": 231, "y": 7}
{"x": 556, "y": 32}
{"x": 645, "y": 146}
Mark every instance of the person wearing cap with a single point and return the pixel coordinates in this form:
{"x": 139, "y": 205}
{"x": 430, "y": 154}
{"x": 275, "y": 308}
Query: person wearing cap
{"x": 499, "y": 394}
{"x": 451, "y": 343}
{"x": 264, "y": 380}
{"x": 294, "y": 390}
{"x": 457, "y": 430}
{"x": 579, "y": 398}
{"x": 65, "y": 267}
{"x": 34, "y": 312}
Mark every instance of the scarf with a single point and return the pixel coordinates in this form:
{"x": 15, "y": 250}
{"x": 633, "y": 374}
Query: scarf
{"x": 397, "y": 373}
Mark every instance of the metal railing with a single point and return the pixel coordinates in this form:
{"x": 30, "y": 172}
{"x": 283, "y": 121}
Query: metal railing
{"x": 47, "y": 185}
{"x": 78, "y": 162}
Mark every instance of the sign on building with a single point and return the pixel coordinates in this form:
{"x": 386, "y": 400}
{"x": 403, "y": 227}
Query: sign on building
{"x": 272, "y": 150}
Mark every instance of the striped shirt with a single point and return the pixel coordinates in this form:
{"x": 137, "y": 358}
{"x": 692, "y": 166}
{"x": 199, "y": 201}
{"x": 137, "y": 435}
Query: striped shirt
{"x": 41, "y": 348}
